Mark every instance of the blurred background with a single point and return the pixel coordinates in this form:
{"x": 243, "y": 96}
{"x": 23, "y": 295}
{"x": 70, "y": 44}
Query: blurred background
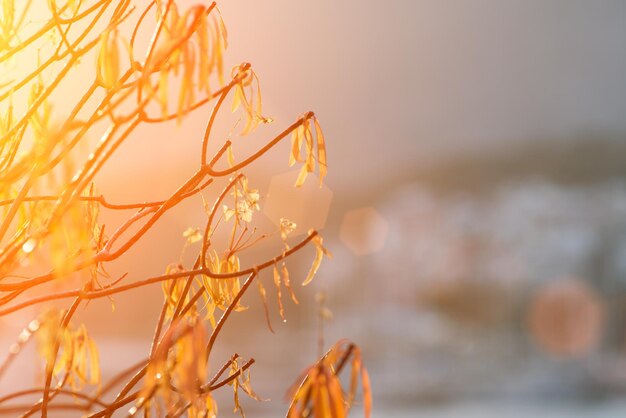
{"x": 475, "y": 204}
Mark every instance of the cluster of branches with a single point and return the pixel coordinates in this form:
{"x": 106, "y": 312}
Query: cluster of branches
{"x": 50, "y": 206}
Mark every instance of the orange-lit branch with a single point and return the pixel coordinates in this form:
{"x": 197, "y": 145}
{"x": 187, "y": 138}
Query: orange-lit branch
{"x": 49, "y": 205}
{"x": 96, "y": 294}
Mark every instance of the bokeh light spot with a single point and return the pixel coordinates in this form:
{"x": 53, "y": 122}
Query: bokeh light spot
{"x": 364, "y": 231}
{"x": 566, "y": 318}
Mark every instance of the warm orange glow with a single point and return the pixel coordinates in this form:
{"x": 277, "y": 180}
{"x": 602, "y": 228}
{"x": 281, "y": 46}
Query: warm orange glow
{"x": 150, "y": 63}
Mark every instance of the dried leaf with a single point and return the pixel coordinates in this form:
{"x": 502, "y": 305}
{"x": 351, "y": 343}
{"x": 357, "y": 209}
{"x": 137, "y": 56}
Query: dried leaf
{"x": 315, "y": 266}
{"x": 279, "y": 298}
{"x": 231, "y": 156}
{"x": 302, "y": 176}
{"x": 367, "y": 392}
{"x": 265, "y": 306}
{"x": 322, "y": 401}
{"x": 287, "y": 282}
{"x": 321, "y": 151}
{"x": 108, "y": 61}
{"x": 296, "y": 144}
{"x": 320, "y": 251}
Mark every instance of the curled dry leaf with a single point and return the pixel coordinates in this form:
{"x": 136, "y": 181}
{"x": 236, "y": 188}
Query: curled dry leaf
{"x": 71, "y": 350}
{"x": 320, "y": 252}
{"x": 318, "y": 391}
{"x": 108, "y": 64}
{"x": 178, "y": 368}
{"x": 303, "y": 135}
{"x": 248, "y": 97}
{"x": 223, "y": 291}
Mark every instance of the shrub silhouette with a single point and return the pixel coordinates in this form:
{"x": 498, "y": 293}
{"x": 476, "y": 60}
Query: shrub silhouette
{"x": 50, "y": 206}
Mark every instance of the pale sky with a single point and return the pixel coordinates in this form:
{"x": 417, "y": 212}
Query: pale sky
{"x": 397, "y": 83}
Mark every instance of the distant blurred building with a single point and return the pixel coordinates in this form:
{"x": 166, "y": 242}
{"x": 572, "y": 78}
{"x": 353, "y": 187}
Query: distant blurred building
{"x": 470, "y": 289}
